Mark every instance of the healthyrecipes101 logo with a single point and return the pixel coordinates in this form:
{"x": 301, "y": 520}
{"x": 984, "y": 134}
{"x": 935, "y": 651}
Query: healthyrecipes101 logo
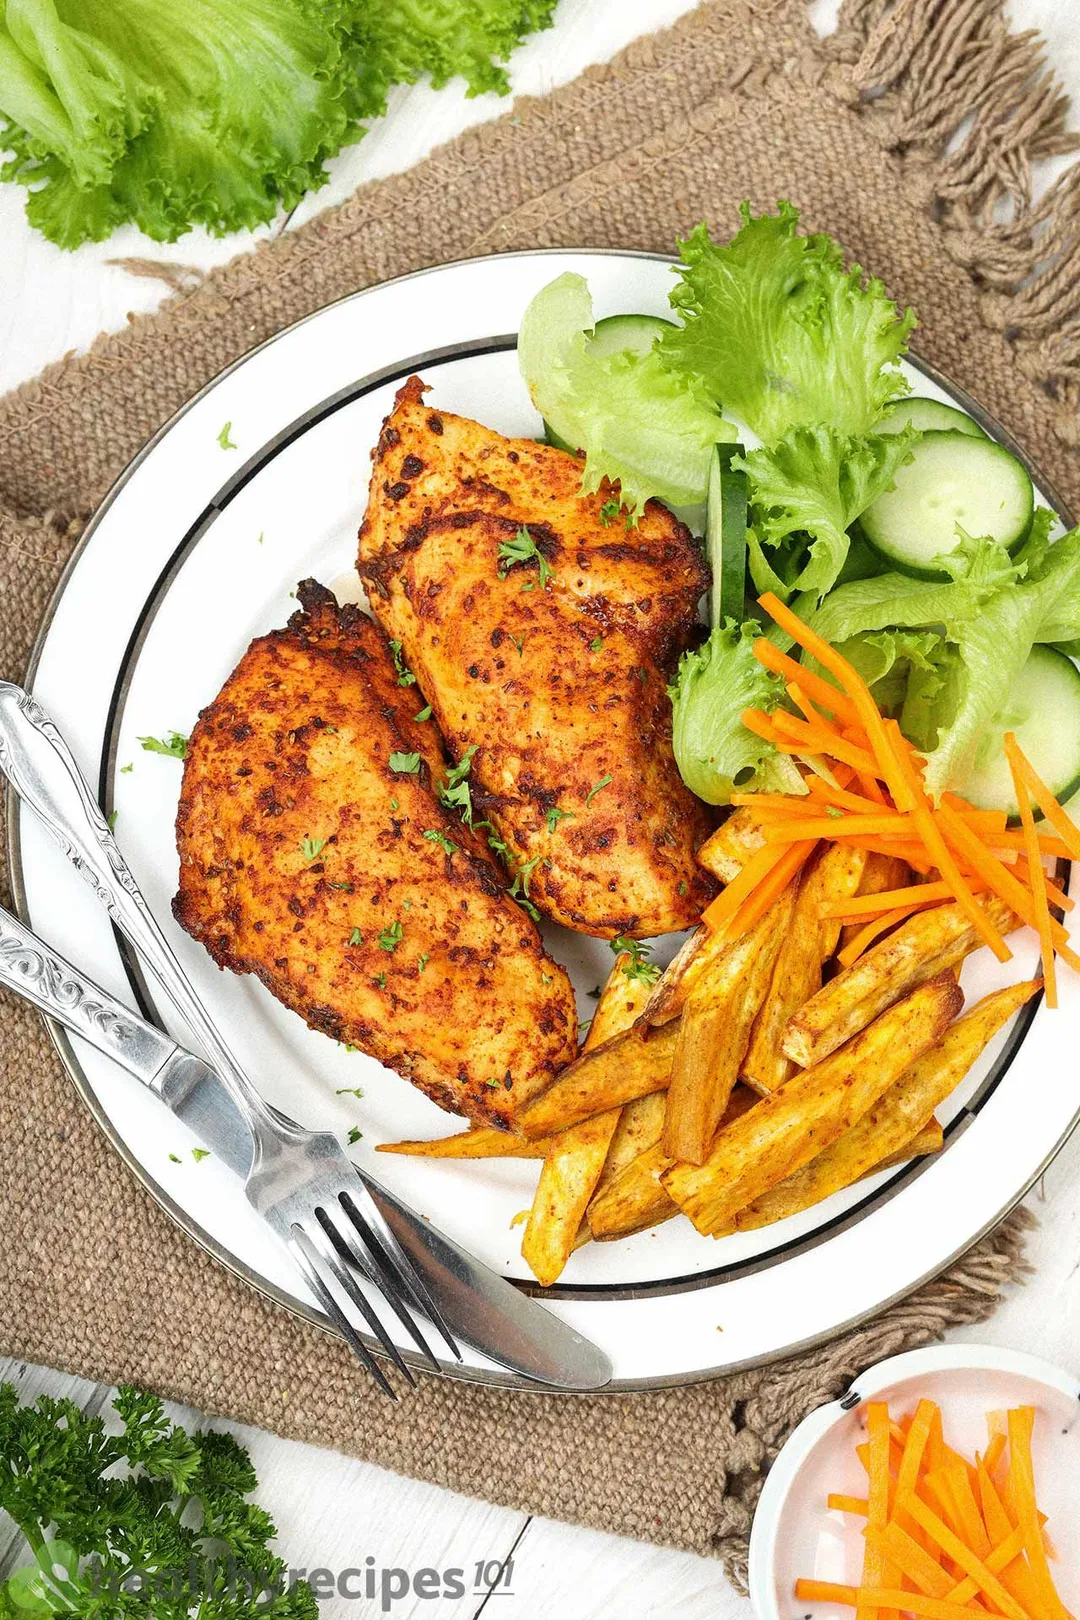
{"x": 57, "y": 1582}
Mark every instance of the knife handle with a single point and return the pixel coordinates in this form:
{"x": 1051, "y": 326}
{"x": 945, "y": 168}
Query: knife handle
{"x": 41, "y": 768}
{"x": 39, "y": 975}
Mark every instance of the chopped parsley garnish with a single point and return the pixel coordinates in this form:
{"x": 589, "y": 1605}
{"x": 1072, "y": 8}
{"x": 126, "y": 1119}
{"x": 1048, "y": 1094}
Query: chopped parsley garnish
{"x": 596, "y": 643}
{"x": 379, "y": 981}
{"x": 405, "y": 764}
{"x": 529, "y": 585}
{"x": 638, "y": 967}
{"x": 348, "y": 887}
{"x": 391, "y": 936}
{"x": 393, "y": 804}
{"x": 609, "y": 512}
{"x": 555, "y": 815}
{"x": 355, "y": 1133}
{"x": 310, "y": 848}
{"x": 437, "y": 836}
{"x": 262, "y": 536}
{"x": 349, "y": 1091}
{"x": 405, "y": 676}
{"x": 174, "y": 1158}
{"x": 111, "y": 818}
{"x": 523, "y": 549}
{"x": 198, "y": 1154}
{"x": 425, "y": 713}
{"x": 455, "y": 792}
{"x": 519, "y": 643}
{"x": 174, "y": 746}
{"x": 223, "y": 437}
{"x": 126, "y": 769}
{"x": 422, "y": 961}
{"x": 684, "y": 887}
{"x": 594, "y": 790}
{"x": 519, "y": 889}
{"x": 356, "y": 937}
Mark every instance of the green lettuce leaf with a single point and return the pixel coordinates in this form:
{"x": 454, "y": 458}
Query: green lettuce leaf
{"x": 987, "y": 620}
{"x": 196, "y": 112}
{"x": 713, "y": 749}
{"x": 782, "y": 333}
{"x": 640, "y": 424}
{"x": 806, "y": 492}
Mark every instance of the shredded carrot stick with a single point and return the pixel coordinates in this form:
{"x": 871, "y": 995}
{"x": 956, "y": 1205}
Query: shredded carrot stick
{"x": 871, "y": 1597}
{"x": 939, "y": 851}
{"x": 1007, "y": 886}
{"x": 869, "y": 905}
{"x": 839, "y": 827}
{"x": 1063, "y": 824}
{"x": 872, "y": 788}
{"x": 830, "y": 697}
{"x": 877, "y": 1567}
{"x": 867, "y": 713}
{"x": 760, "y": 723}
{"x": 994, "y": 1452}
{"x": 879, "y": 925}
{"x": 816, "y": 740}
{"x": 756, "y": 872}
{"x": 1022, "y": 1480}
{"x": 969, "y": 1561}
{"x": 912, "y": 1560}
{"x": 1014, "y": 839}
{"x": 770, "y": 888}
{"x": 848, "y": 1504}
{"x": 796, "y": 804}
{"x": 1037, "y": 880}
{"x": 844, "y": 799}
{"x": 913, "y": 854}
{"x": 997, "y": 1562}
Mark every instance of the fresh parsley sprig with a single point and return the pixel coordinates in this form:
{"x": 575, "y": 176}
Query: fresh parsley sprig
{"x": 638, "y": 967}
{"x": 524, "y": 549}
{"x": 152, "y": 1504}
{"x": 173, "y": 746}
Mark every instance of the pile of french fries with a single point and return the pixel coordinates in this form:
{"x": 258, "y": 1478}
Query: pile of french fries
{"x": 753, "y": 1079}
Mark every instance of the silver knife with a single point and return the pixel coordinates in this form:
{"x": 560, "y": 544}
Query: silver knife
{"x": 480, "y": 1307}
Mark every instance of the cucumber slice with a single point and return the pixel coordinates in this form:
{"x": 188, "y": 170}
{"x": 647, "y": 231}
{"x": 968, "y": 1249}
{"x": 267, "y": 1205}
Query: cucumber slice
{"x": 617, "y": 333}
{"x": 929, "y": 416}
{"x": 1043, "y": 709}
{"x": 951, "y": 480}
{"x": 725, "y": 535}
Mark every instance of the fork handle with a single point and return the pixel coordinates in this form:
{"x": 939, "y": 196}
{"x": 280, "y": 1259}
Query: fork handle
{"x": 40, "y": 767}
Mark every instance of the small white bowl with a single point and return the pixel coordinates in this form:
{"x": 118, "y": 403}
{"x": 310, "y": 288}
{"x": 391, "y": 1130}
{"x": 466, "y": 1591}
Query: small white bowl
{"x": 795, "y": 1534}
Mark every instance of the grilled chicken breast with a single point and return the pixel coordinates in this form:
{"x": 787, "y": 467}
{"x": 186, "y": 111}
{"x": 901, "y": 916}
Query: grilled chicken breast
{"x": 315, "y": 854}
{"x": 543, "y": 633}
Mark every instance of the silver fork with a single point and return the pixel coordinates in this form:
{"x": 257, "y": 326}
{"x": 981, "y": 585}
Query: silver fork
{"x": 301, "y": 1182}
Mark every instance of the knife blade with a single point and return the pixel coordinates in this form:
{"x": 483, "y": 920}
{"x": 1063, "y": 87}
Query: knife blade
{"x": 480, "y": 1306}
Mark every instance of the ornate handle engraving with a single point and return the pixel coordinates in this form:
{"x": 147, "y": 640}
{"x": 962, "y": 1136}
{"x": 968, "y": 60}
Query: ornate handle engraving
{"x": 38, "y": 763}
{"x": 32, "y": 970}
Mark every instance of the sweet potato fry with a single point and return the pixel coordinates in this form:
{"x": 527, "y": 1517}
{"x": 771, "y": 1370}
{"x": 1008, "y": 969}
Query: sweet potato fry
{"x": 696, "y": 957}
{"x": 714, "y": 1031}
{"x": 725, "y": 853}
{"x": 834, "y": 873}
{"x": 926, "y": 1142}
{"x": 880, "y": 874}
{"x": 482, "y": 1143}
{"x": 635, "y": 1199}
{"x": 576, "y": 1157}
{"x": 807, "y": 1115}
{"x": 888, "y": 1132}
{"x": 616, "y": 1072}
{"x": 929, "y": 943}
{"x": 640, "y": 1127}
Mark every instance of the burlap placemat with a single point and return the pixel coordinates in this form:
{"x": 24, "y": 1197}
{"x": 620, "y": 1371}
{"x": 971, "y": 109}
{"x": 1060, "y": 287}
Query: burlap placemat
{"x": 910, "y": 136}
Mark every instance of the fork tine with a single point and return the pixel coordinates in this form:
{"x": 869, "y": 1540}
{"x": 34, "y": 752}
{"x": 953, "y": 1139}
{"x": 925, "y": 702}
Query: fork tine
{"x": 356, "y": 1255}
{"x": 385, "y": 1248}
{"x": 319, "y": 1241}
{"x": 338, "y": 1317}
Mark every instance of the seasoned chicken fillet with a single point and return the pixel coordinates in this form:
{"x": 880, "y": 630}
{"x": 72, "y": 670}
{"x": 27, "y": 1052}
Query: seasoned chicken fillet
{"x": 315, "y": 854}
{"x": 543, "y": 633}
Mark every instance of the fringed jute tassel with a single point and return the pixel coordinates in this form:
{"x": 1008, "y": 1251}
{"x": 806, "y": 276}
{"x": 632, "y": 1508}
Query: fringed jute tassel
{"x": 969, "y": 108}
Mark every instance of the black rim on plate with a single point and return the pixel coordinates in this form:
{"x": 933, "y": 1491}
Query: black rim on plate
{"x": 197, "y": 531}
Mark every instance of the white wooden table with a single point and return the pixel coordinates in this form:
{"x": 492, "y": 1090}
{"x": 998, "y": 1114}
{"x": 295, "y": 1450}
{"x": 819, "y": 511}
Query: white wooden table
{"x": 331, "y": 1512}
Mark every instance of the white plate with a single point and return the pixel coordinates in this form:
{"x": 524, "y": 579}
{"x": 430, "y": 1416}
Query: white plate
{"x": 796, "y": 1535}
{"x": 195, "y": 552}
